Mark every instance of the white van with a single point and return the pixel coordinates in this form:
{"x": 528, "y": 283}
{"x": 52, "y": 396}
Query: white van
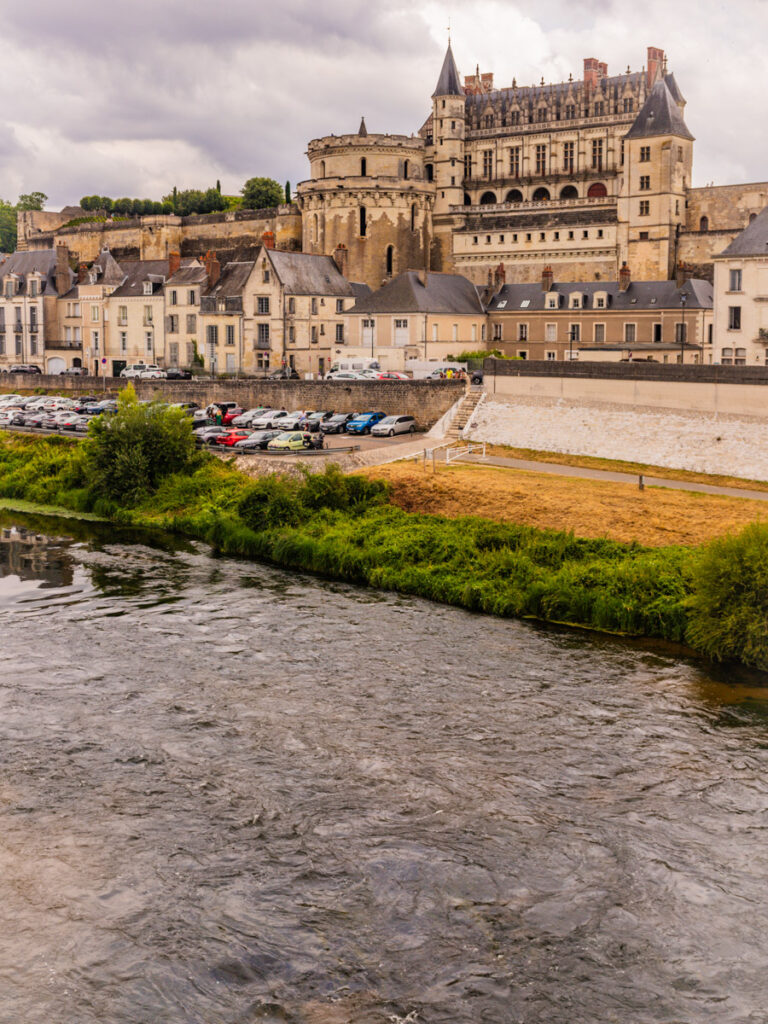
{"x": 355, "y": 364}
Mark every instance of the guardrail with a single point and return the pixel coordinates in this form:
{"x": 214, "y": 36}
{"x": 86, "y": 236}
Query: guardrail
{"x": 454, "y": 454}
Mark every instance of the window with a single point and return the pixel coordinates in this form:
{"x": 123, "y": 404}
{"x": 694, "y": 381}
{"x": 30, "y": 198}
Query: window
{"x": 498, "y": 332}
{"x": 455, "y": 332}
{"x": 740, "y": 357}
{"x": 550, "y": 332}
{"x": 645, "y": 154}
{"x": 629, "y": 104}
{"x": 191, "y": 297}
{"x": 734, "y": 318}
{"x": 487, "y": 163}
{"x": 123, "y": 341}
{"x": 291, "y": 305}
{"x": 340, "y": 334}
{"x": 173, "y": 298}
{"x": 363, "y": 222}
{"x": 522, "y": 332}
{"x": 94, "y": 314}
{"x": 262, "y": 305}
{"x": 514, "y": 117}
{"x": 550, "y": 355}
{"x": 541, "y": 159}
{"x": 262, "y": 360}
{"x": 313, "y": 306}
{"x": 33, "y": 289}
{"x": 645, "y": 183}
{"x": 313, "y": 334}
{"x": 541, "y": 114}
{"x": 147, "y": 314}
{"x": 599, "y": 302}
{"x": 122, "y": 315}
{"x": 734, "y": 281}
{"x": 173, "y": 353}
{"x": 33, "y": 319}
{"x": 95, "y": 341}
{"x": 597, "y": 154}
{"x": 413, "y": 214}
{"x": 147, "y": 287}
{"x": 553, "y": 301}
{"x": 467, "y": 166}
{"x": 574, "y": 332}
{"x": 643, "y": 236}
{"x": 291, "y": 334}
{"x": 599, "y": 232}
{"x": 630, "y": 333}
{"x": 599, "y": 108}
{"x": 681, "y": 333}
{"x": 191, "y": 323}
{"x": 339, "y": 305}
{"x": 148, "y": 341}
{"x": 173, "y": 324}
{"x": 364, "y": 168}
{"x": 488, "y": 121}
{"x": 514, "y": 162}
{"x": 657, "y": 333}
{"x": 585, "y": 234}
{"x": 599, "y": 334}
{"x": 570, "y": 112}
{"x": 212, "y": 335}
{"x": 726, "y": 357}
{"x": 568, "y": 156}
{"x": 645, "y": 207}
{"x": 262, "y": 333}
{"x": 67, "y": 333}
{"x": 522, "y": 353}
{"x": 679, "y": 154}
{"x": 229, "y": 334}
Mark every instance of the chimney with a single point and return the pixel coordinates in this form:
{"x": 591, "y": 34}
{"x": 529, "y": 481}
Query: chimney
{"x": 422, "y": 276}
{"x": 656, "y": 60}
{"x": 340, "y": 258}
{"x": 268, "y": 239}
{"x": 174, "y": 263}
{"x": 82, "y": 273}
{"x": 592, "y": 68}
{"x": 547, "y": 279}
{"x": 63, "y": 277}
{"x": 625, "y": 278}
{"x": 212, "y": 268}
{"x": 500, "y": 276}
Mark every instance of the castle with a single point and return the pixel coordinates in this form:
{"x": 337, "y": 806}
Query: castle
{"x": 580, "y": 176}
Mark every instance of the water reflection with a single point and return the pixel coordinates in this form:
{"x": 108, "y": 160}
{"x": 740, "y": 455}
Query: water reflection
{"x": 35, "y": 556}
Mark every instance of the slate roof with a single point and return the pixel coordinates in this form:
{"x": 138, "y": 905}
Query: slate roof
{"x": 448, "y": 84}
{"x": 674, "y": 88}
{"x": 41, "y": 261}
{"x": 195, "y": 273}
{"x": 233, "y": 280}
{"x": 360, "y": 291}
{"x": 660, "y": 115}
{"x": 639, "y": 295}
{"x": 532, "y": 95}
{"x": 753, "y": 240}
{"x": 110, "y": 271}
{"x": 137, "y": 272}
{"x": 444, "y": 293}
{"x": 302, "y": 273}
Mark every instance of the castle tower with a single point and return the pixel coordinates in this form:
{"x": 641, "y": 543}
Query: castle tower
{"x": 368, "y": 193}
{"x": 658, "y": 158}
{"x": 446, "y": 156}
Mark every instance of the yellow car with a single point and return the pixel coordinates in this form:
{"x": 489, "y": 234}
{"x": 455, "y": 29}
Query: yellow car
{"x": 295, "y": 441}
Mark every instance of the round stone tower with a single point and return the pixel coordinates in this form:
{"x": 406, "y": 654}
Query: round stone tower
{"x": 369, "y": 194}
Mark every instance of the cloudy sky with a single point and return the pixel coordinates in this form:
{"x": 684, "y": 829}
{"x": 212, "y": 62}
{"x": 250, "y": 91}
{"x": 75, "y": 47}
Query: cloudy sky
{"x": 131, "y": 97}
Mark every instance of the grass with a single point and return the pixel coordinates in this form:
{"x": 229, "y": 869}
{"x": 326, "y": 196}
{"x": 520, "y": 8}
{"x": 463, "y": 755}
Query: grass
{"x": 655, "y": 517}
{"x": 16, "y": 505}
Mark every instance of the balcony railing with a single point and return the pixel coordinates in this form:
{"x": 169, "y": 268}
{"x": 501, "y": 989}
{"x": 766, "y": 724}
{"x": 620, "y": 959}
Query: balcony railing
{"x": 545, "y": 127}
{"x": 539, "y": 204}
{"x": 230, "y": 304}
{"x": 64, "y": 346}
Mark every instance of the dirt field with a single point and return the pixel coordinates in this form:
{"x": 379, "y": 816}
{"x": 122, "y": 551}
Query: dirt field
{"x": 591, "y": 508}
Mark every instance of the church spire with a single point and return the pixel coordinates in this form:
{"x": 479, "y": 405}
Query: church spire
{"x": 362, "y": 130}
{"x": 448, "y": 84}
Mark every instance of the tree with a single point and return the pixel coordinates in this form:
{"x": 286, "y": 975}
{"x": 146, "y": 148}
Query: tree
{"x": 218, "y": 185}
{"x": 7, "y": 226}
{"x": 261, "y": 193}
{"x": 287, "y": 191}
{"x": 32, "y": 201}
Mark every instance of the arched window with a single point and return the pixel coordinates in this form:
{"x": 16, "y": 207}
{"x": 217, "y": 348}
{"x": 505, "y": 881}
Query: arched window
{"x": 429, "y": 170}
{"x": 363, "y": 221}
{"x": 514, "y": 196}
{"x": 316, "y": 228}
{"x": 390, "y": 259}
{"x": 405, "y": 168}
{"x": 569, "y": 192}
{"x": 541, "y": 195}
{"x": 413, "y": 217}
{"x": 704, "y": 224}
{"x": 487, "y": 199}
{"x": 467, "y": 199}
{"x": 322, "y": 168}
{"x": 363, "y": 168}
{"x": 597, "y": 190}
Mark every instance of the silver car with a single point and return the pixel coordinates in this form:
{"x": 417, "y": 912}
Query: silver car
{"x": 392, "y": 425}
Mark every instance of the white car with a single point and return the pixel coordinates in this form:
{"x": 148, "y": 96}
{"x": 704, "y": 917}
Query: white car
{"x": 392, "y": 425}
{"x": 296, "y": 420}
{"x": 268, "y": 419}
{"x": 143, "y": 371}
{"x": 246, "y": 418}
{"x": 347, "y": 375}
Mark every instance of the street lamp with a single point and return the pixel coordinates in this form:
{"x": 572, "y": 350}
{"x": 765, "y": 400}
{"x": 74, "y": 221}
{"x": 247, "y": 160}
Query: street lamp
{"x": 683, "y": 300}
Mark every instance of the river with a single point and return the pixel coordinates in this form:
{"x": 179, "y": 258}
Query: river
{"x": 232, "y": 794}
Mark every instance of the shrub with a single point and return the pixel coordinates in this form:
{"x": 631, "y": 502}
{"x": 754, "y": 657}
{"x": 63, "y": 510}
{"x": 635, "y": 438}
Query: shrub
{"x": 728, "y": 610}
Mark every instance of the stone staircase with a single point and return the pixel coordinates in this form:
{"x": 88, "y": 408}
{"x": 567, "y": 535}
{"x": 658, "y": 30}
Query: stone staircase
{"x": 464, "y": 413}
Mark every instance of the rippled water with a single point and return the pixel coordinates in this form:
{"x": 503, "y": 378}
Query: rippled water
{"x": 229, "y": 794}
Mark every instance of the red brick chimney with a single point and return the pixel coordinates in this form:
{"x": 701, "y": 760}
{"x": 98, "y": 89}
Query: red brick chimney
{"x": 655, "y": 64}
{"x": 174, "y": 263}
{"x": 500, "y": 276}
{"x": 63, "y": 279}
{"x": 212, "y": 268}
{"x": 82, "y": 273}
{"x": 340, "y": 258}
{"x": 625, "y": 278}
{"x": 594, "y": 70}
{"x": 547, "y": 279}
{"x": 268, "y": 239}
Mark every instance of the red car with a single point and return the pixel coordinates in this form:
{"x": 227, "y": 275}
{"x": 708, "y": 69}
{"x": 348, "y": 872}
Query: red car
{"x": 230, "y": 414}
{"x": 233, "y": 437}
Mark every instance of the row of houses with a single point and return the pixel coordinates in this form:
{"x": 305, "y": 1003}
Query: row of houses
{"x": 298, "y": 310}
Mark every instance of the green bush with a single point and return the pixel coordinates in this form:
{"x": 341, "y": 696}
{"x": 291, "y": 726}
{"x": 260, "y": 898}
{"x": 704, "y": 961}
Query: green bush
{"x": 728, "y": 610}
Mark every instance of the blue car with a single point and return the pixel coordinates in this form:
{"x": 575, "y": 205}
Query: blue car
{"x": 362, "y": 423}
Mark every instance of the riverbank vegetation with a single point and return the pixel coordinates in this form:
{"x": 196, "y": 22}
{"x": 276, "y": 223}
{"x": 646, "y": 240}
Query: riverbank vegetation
{"x": 346, "y": 527}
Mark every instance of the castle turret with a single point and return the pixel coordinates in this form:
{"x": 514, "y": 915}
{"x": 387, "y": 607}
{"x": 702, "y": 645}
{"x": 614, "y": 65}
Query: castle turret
{"x": 448, "y": 122}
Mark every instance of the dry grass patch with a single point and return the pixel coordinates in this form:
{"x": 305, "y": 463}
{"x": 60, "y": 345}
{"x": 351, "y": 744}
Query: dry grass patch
{"x": 590, "y": 508}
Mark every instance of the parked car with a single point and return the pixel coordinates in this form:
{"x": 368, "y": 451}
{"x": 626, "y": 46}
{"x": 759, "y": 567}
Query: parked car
{"x": 74, "y": 371}
{"x": 208, "y": 435}
{"x": 143, "y": 371}
{"x": 231, "y": 414}
{"x": 74, "y": 422}
{"x": 230, "y": 437}
{"x": 315, "y": 421}
{"x": 174, "y": 373}
{"x": 295, "y": 441}
{"x": 296, "y": 420}
{"x": 392, "y": 425}
{"x": 284, "y": 373}
{"x": 24, "y": 368}
{"x": 347, "y": 375}
{"x": 364, "y": 422}
{"x": 269, "y": 419}
{"x": 246, "y": 418}
{"x": 477, "y": 377}
{"x": 391, "y": 375}
{"x": 258, "y": 440}
{"x": 337, "y": 423}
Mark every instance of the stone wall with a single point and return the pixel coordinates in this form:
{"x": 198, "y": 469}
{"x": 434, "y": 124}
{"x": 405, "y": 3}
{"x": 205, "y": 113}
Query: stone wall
{"x": 427, "y": 401}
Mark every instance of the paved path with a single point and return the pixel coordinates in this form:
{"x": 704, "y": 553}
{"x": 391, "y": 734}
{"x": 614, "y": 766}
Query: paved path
{"x": 621, "y": 478}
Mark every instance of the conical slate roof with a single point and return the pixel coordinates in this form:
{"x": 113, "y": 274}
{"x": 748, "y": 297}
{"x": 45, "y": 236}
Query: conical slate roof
{"x": 362, "y": 130}
{"x": 448, "y": 84}
{"x": 674, "y": 89}
{"x": 660, "y": 115}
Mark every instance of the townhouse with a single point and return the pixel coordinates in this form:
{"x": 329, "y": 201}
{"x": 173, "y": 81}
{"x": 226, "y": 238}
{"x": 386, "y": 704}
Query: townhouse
{"x": 30, "y": 285}
{"x": 741, "y": 298}
{"x": 82, "y": 317}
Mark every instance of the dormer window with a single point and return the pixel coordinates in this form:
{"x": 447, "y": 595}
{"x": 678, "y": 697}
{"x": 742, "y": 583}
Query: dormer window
{"x": 33, "y": 289}
{"x": 576, "y": 300}
{"x": 10, "y": 289}
{"x": 147, "y": 287}
{"x": 553, "y": 300}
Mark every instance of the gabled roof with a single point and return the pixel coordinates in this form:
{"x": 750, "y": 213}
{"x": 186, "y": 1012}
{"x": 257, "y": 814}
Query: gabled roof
{"x": 753, "y": 240}
{"x": 302, "y": 273}
{"x": 136, "y": 272}
{"x": 647, "y": 295}
{"x": 674, "y": 89}
{"x": 448, "y": 84}
{"x": 35, "y": 261}
{"x": 109, "y": 270}
{"x": 234, "y": 277}
{"x": 193, "y": 273}
{"x": 443, "y": 293}
{"x": 660, "y": 115}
